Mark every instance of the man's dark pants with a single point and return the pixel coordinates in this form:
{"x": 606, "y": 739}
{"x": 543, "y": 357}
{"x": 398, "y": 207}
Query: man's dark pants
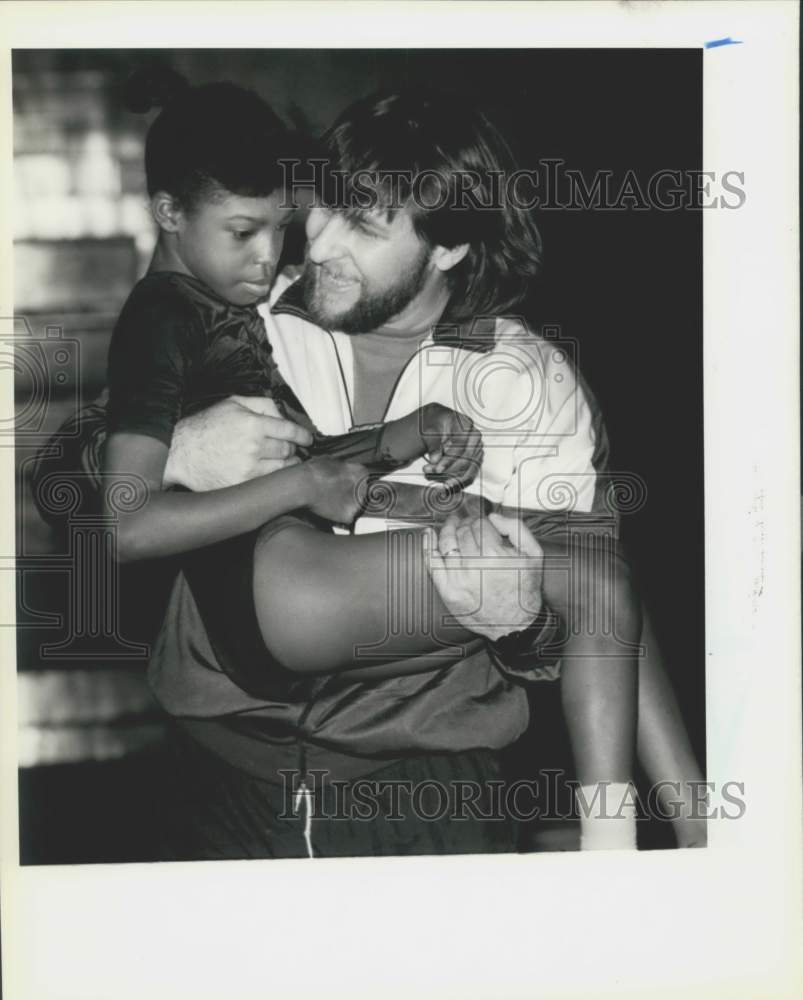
{"x": 442, "y": 804}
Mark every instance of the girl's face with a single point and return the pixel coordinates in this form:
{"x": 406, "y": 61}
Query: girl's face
{"x": 233, "y": 244}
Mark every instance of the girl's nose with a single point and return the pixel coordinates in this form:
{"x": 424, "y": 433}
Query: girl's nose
{"x": 268, "y": 247}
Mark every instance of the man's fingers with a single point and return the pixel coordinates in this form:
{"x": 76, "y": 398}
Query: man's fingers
{"x": 275, "y": 426}
{"x": 487, "y": 538}
{"x": 479, "y": 529}
{"x": 435, "y": 562}
{"x": 268, "y": 449}
{"x": 466, "y": 540}
{"x": 258, "y": 404}
{"x": 519, "y": 534}
{"x": 447, "y": 539}
{"x": 433, "y": 558}
{"x": 285, "y": 430}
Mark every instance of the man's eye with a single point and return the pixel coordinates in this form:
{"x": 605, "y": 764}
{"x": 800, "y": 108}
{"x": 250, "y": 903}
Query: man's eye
{"x": 243, "y": 234}
{"x": 361, "y": 228}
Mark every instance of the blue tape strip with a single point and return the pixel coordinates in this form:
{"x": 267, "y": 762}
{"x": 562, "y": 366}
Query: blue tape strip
{"x": 715, "y": 44}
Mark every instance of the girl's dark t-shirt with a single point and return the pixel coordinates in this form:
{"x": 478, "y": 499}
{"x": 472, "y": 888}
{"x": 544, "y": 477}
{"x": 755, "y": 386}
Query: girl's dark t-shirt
{"x": 178, "y": 348}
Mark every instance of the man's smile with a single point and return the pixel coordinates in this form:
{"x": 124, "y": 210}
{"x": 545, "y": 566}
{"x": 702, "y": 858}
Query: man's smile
{"x": 336, "y": 279}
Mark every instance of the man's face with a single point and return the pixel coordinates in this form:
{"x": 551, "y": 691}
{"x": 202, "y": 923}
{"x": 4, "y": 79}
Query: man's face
{"x": 360, "y": 273}
{"x": 233, "y": 244}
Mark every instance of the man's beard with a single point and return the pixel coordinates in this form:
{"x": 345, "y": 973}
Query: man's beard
{"x": 373, "y": 308}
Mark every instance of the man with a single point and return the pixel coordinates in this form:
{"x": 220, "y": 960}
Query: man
{"x": 403, "y": 299}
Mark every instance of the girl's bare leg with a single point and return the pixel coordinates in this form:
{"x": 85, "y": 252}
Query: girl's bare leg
{"x": 664, "y": 747}
{"x": 589, "y": 588}
{"x": 616, "y": 694}
{"x": 332, "y": 603}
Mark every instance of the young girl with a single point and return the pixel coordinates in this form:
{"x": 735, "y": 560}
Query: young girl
{"x": 190, "y": 335}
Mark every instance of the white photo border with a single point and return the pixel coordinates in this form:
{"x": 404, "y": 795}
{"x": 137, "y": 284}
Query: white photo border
{"x": 727, "y": 918}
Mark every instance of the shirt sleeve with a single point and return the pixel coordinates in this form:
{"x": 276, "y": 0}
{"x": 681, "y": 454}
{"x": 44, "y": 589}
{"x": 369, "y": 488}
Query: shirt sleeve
{"x": 154, "y": 342}
{"x": 72, "y": 458}
{"x": 365, "y": 445}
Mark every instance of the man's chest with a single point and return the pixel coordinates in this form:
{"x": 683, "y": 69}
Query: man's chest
{"x": 339, "y": 392}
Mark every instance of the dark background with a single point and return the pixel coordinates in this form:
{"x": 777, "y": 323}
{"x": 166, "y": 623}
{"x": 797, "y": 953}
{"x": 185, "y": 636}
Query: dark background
{"x": 625, "y": 286}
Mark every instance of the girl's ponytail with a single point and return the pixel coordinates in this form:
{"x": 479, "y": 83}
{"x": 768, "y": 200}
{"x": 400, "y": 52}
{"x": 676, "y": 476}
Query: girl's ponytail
{"x": 152, "y": 86}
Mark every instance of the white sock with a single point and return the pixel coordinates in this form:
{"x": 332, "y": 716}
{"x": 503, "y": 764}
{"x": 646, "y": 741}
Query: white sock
{"x": 607, "y": 816}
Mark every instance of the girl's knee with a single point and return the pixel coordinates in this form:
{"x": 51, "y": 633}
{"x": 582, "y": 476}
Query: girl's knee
{"x": 614, "y": 602}
{"x": 600, "y": 597}
{"x": 624, "y": 605}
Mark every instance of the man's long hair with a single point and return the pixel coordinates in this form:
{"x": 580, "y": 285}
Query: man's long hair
{"x": 444, "y": 158}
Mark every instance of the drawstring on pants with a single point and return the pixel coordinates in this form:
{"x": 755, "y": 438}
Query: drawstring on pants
{"x": 305, "y": 794}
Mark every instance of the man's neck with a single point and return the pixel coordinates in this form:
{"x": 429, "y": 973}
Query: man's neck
{"x": 381, "y": 355}
{"x": 417, "y": 318}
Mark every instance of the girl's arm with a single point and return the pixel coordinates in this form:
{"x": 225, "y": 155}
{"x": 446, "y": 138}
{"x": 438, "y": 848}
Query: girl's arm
{"x": 167, "y": 523}
{"x": 452, "y": 442}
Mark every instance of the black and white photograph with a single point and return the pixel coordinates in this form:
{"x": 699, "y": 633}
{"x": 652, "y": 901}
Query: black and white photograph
{"x": 364, "y": 452}
{"x": 362, "y": 286}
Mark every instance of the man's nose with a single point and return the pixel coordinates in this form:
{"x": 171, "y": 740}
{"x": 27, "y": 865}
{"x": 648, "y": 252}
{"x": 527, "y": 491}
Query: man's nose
{"x": 325, "y": 233}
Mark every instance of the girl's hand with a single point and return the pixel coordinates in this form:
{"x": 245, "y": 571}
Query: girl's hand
{"x": 454, "y": 445}
{"x": 335, "y": 489}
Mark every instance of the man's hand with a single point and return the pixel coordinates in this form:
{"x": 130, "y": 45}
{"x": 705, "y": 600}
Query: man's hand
{"x": 237, "y": 439}
{"x": 490, "y": 585}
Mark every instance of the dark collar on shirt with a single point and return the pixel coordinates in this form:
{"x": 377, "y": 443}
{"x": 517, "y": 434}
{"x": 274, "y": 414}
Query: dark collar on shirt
{"x": 478, "y": 336}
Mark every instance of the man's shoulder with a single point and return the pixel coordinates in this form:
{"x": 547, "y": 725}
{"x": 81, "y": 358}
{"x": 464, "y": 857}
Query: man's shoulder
{"x": 519, "y": 330}
{"x": 515, "y": 336}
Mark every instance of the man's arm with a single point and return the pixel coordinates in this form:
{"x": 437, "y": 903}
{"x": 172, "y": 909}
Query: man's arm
{"x": 233, "y": 441}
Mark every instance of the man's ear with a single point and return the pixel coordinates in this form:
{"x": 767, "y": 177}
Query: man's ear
{"x": 166, "y": 212}
{"x": 445, "y": 258}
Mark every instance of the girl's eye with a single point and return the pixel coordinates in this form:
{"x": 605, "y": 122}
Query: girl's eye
{"x": 243, "y": 234}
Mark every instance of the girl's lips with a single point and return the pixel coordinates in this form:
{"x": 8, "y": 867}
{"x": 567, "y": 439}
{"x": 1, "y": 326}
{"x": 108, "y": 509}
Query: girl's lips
{"x": 258, "y": 286}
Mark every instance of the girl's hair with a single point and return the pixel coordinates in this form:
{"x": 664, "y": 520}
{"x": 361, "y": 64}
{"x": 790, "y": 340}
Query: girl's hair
{"x": 444, "y": 158}
{"x": 208, "y": 140}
